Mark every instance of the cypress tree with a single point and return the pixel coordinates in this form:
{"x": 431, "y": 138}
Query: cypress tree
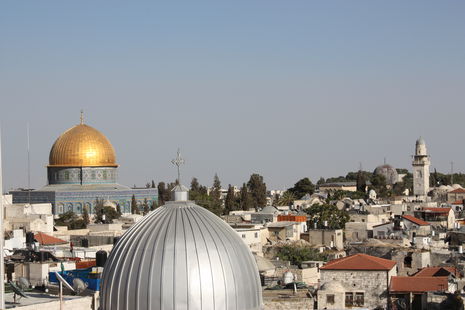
{"x": 146, "y": 206}
{"x": 134, "y": 209}
{"x": 245, "y": 198}
{"x": 85, "y": 216}
{"x": 230, "y": 200}
{"x": 257, "y": 189}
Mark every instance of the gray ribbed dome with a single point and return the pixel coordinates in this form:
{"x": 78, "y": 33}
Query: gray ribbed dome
{"x": 389, "y": 173}
{"x": 181, "y": 256}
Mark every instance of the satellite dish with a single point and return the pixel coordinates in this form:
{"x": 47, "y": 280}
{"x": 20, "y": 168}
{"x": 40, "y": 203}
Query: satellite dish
{"x": 63, "y": 281}
{"x": 23, "y": 283}
{"x": 79, "y": 286}
{"x": 16, "y": 291}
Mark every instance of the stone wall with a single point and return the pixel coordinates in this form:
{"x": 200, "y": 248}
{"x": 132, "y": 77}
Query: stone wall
{"x": 294, "y": 304}
{"x": 80, "y": 303}
{"x": 374, "y": 284}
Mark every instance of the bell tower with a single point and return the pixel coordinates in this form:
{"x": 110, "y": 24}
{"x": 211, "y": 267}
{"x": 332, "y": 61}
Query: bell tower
{"x": 421, "y": 164}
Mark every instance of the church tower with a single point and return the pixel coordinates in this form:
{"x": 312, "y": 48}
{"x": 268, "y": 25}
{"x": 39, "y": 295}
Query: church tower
{"x": 421, "y": 163}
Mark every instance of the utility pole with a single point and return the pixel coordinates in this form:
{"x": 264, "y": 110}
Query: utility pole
{"x": 451, "y": 173}
{"x": 2, "y": 237}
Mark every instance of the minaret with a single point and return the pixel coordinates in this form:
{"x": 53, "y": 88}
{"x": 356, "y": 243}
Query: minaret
{"x": 421, "y": 163}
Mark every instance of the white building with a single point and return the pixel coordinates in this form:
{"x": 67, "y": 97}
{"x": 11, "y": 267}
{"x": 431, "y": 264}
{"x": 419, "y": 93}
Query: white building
{"x": 35, "y": 217}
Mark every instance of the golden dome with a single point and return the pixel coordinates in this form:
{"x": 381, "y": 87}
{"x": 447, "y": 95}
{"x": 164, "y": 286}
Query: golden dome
{"x": 82, "y": 146}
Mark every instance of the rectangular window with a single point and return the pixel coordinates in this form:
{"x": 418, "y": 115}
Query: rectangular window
{"x": 330, "y": 299}
{"x": 359, "y": 299}
{"x": 256, "y": 235}
{"x": 243, "y": 236}
{"x": 349, "y": 299}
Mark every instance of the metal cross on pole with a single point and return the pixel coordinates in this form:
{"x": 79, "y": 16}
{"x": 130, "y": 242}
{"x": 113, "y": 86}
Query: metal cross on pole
{"x": 178, "y": 161}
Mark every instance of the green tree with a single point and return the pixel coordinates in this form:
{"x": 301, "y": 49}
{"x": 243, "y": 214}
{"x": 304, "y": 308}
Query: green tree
{"x": 361, "y": 182}
{"x": 153, "y": 206}
{"x": 302, "y": 187}
{"x": 118, "y": 209}
{"x": 335, "y": 218}
{"x": 287, "y": 199}
{"x": 230, "y": 203}
{"x": 109, "y": 212}
{"x": 257, "y": 189}
{"x": 195, "y": 186}
{"x": 85, "y": 215}
{"x": 153, "y": 184}
{"x": 215, "y": 192}
{"x": 98, "y": 210}
{"x": 215, "y": 205}
{"x": 321, "y": 180}
{"x": 378, "y": 183}
{"x": 163, "y": 193}
{"x": 146, "y": 206}
{"x": 245, "y": 198}
{"x": 70, "y": 220}
{"x": 297, "y": 255}
{"x": 134, "y": 208}
{"x": 339, "y": 194}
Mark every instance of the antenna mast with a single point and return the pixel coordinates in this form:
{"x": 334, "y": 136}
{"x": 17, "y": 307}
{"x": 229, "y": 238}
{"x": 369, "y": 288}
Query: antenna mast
{"x": 28, "y": 166}
{"x": 2, "y": 237}
{"x": 451, "y": 173}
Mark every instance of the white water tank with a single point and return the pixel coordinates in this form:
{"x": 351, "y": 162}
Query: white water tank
{"x": 288, "y": 277}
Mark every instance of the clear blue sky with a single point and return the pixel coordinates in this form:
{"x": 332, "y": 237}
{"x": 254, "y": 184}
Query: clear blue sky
{"x": 286, "y": 89}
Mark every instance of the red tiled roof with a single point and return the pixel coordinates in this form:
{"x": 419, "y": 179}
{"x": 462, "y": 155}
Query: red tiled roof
{"x": 458, "y": 191}
{"x": 359, "y": 262}
{"x": 458, "y": 202}
{"x": 45, "y": 239}
{"x": 418, "y": 284}
{"x": 437, "y": 272}
{"x": 437, "y": 210}
{"x": 415, "y": 220}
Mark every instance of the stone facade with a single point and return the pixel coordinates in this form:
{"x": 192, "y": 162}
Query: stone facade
{"x": 369, "y": 287}
{"x": 421, "y": 164}
{"x": 327, "y": 237}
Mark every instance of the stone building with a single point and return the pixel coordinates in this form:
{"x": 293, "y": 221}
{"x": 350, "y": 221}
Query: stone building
{"x": 284, "y": 231}
{"x": 359, "y": 280}
{"x": 268, "y": 214}
{"x": 332, "y": 238}
{"x": 405, "y": 226}
{"x": 82, "y": 168}
{"x": 457, "y": 195}
{"x": 437, "y": 217}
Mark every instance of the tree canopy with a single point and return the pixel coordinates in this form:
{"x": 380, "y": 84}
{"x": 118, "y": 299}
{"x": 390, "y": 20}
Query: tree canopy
{"x": 297, "y": 255}
{"x": 335, "y": 218}
{"x": 302, "y": 187}
{"x": 70, "y": 220}
{"x": 257, "y": 189}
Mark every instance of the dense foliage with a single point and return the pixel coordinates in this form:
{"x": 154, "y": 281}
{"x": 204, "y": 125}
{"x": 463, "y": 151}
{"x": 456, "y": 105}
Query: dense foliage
{"x": 109, "y": 212}
{"x": 335, "y": 218}
{"x": 70, "y": 220}
{"x": 297, "y": 255}
{"x": 302, "y": 187}
{"x": 257, "y": 189}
